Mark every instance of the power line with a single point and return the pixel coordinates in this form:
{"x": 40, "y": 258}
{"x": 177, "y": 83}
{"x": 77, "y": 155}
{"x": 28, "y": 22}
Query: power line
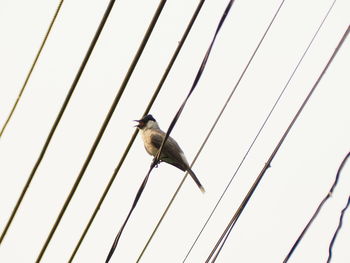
{"x": 206, "y": 139}
{"x": 261, "y": 128}
{"x": 171, "y": 126}
{"x": 31, "y": 69}
{"x": 329, "y": 194}
{"x": 196, "y": 80}
{"x": 337, "y": 230}
{"x": 126, "y": 151}
{"x": 104, "y": 125}
{"x": 138, "y": 195}
{"x": 235, "y": 217}
{"x": 59, "y": 116}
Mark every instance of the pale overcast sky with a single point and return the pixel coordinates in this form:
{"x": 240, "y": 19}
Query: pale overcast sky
{"x": 300, "y": 175}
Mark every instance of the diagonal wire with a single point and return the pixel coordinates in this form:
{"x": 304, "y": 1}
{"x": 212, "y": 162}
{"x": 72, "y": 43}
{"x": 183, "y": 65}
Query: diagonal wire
{"x": 199, "y": 74}
{"x": 59, "y": 116}
{"x": 172, "y": 124}
{"x": 337, "y": 230}
{"x": 205, "y": 141}
{"x": 104, "y": 125}
{"x": 32, "y": 67}
{"x": 267, "y": 164}
{"x": 138, "y": 195}
{"x": 262, "y": 127}
{"x": 329, "y": 194}
{"x": 121, "y": 161}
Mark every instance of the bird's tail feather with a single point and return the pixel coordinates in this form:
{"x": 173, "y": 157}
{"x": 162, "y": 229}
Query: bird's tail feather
{"x": 194, "y": 177}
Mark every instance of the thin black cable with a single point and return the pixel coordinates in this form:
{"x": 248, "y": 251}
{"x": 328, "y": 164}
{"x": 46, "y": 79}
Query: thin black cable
{"x": 177, "y": 115}
{"x": 104, "y": 126}
{"x": 263, "y": 125}
{"x": 222, "y": 244}
{"x": 267, "y": 164}
{"x": 31, "y": 69}
{"x": 126, "y": 151}
{"x": 337, "y": 230}
{"x": 199, "y": 74}
{"x": 329, "y": 194}
{"x": 229, "y": 98}
{"x": 138, "y": 195}
{"x": 59, "y": 116}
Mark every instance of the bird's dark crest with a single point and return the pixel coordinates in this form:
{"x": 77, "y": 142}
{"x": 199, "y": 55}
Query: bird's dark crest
{"x": 147, "y": 118}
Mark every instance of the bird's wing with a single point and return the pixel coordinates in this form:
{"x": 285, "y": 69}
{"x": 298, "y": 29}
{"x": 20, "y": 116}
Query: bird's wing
{"x": 157, "y": 139}
{"x": 171, "y": 152}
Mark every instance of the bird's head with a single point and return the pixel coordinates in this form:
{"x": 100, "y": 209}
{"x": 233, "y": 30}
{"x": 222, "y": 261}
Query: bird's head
{"x": 147, "y": 122}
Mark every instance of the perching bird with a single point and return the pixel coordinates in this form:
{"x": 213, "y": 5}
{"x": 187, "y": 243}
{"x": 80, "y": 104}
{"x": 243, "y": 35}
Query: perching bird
{"x": 172, "y": 154}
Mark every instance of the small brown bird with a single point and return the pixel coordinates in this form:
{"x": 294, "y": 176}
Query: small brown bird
{"x": 172, "y": 154}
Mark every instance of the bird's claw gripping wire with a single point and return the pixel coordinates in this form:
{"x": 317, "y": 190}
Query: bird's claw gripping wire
{"x": 155, "y": 162}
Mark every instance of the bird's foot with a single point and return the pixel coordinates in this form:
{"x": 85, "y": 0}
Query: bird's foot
{"x": 156, "y": 163}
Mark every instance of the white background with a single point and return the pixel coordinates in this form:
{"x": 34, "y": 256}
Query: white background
{"x": 300, "y": 175}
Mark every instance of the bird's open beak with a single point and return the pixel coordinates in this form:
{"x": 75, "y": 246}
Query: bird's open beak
{"x": 140, "y": 125}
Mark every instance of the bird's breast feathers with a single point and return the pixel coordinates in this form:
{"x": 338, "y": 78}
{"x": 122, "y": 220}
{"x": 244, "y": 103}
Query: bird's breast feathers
{"x": 147, "y": 140}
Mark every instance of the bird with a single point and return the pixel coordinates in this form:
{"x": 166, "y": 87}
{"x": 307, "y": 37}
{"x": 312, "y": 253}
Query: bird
{"x": 172, "y": 154}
